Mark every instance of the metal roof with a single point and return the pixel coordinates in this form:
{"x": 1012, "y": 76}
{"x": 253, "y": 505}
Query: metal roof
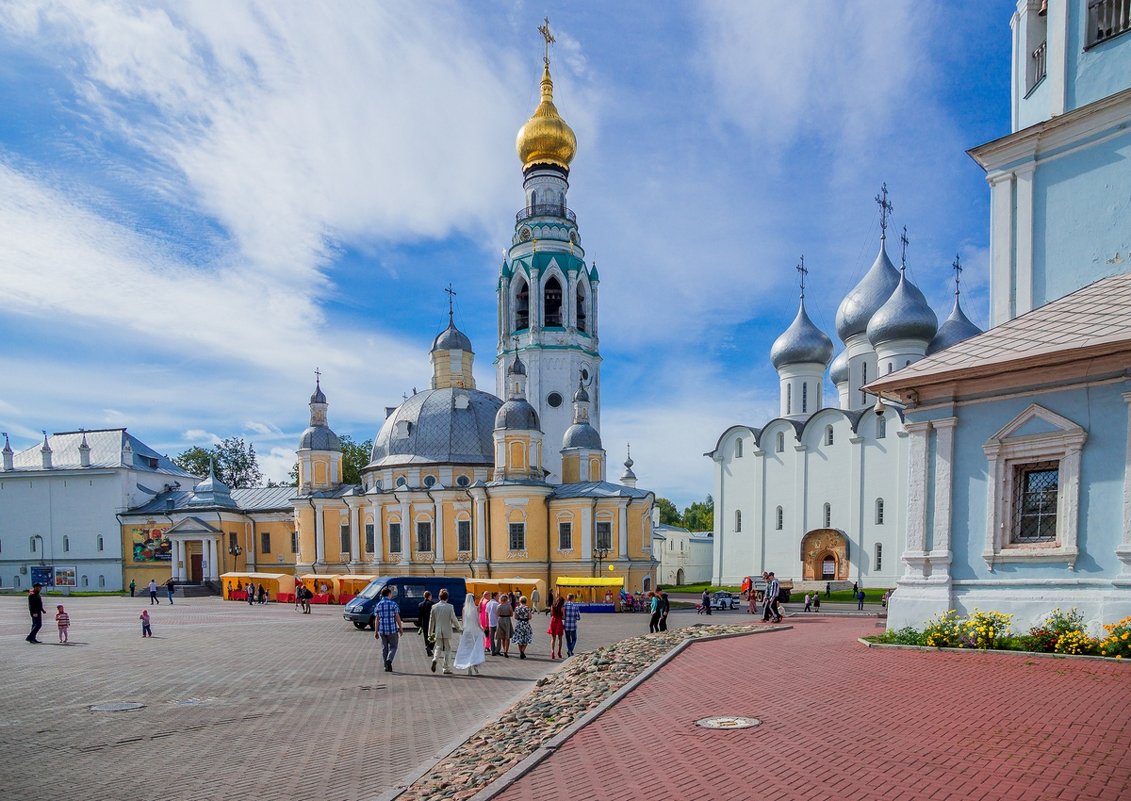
{"x": 451, "y": 425}
{"x": 106, "y": 447}
{"x": 251, "y": 499}
{"x": 598, "y": 489}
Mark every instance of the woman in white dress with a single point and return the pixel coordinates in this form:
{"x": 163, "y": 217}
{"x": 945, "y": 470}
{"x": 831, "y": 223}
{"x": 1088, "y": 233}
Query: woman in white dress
{"x": 469, "y": 654}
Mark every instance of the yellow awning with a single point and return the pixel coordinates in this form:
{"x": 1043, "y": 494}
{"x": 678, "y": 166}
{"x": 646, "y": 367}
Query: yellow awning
{"x": 590, "y": 581}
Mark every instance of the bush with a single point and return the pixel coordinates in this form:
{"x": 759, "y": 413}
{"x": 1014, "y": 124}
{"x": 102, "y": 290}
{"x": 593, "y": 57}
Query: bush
{"x": 1045, "y": 637}
{"x": 985, "y": 630}
{"x": 944, "y": 631}
{"x": 1117, "y": 643}
{"x": 904, "y": 636}
{"x": 1075, "y": 642}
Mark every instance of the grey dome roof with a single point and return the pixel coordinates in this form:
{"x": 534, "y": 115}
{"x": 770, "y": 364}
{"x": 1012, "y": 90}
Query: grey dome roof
{"x": 905, "y": 315}
{"x": 581, "y": 396}
{"x": 320, "y": 438}
{"x": 801, "y": 343}
{"x": 516, "y": 415}
{"x": 954, "y": 329}
{"x": 516, "y": 367}
{"x": 319, "y": 396}
{"x": 448, "y": 425}
{"x": 838, "y": 373}
{"x": 866, "y": 297}
{"x": 451, "y": 338}
{"x": 582, "y": 435}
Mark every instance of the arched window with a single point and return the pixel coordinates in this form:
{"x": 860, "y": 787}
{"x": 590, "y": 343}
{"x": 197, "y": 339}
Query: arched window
{"x": 582, "y": 317}
{"x": 804, "y": 397}
{"x": 828, "y": 515}
{"x": 863, "y": 381}
{"x": 647, "y": 584}
{"x": 780, "y": 519}
{"x": 66, "y": 543}
{"x": 879, "y": 511}
{"x": 890, "y": 367}
{"x": 738, "y": 449}
{"x": 85, "y": 581}
{"x": 429, "y": 481}
{"x": 100, "y": 542}
{"x": 881, "y": 427}
{"x": 828, "y": 435}
{"x": 101, "y": 581}
{"x": 789, "y": 398}
{"x": 522, "y": 306}
{"x": 401, "y": 482}
{"x": 781, "y": 442}
{"x": 737, "y": 520}
{"x": 552, "y": 303}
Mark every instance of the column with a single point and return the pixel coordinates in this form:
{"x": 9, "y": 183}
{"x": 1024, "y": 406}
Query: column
{"x": 1023, "y": 267}
{"x": 914, "y": 554}
{"x": 1123, "y": 551}
{"x": 355, "y": 533}
{"x": 480, "y": 527}
{"x": 1001, "y": 247}
{"x": 406, "y": 532}
{"x": 944, "y": 489}
{"x": 438, "y": 534}
{"x": 378, "y": 532}
{"x": 319, "y": 543}
{"x": 622, "y": 540}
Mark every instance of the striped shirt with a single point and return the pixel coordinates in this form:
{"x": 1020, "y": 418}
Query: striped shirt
{"x": 63, "y": 619}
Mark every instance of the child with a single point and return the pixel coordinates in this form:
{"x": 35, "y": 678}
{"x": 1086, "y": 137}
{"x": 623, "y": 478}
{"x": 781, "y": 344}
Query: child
{"x": 146, "y": 631}
{"x": 63, "y": 620}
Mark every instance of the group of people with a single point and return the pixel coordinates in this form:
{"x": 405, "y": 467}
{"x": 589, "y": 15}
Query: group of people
{"x": 36, "y": 610}
{"x": 170, "y": 589}
{"x": 771, "y": 599}
{"x": 489, "y": 627}
{"x": 813, "y": 602}
{"x": 658, "y": 608}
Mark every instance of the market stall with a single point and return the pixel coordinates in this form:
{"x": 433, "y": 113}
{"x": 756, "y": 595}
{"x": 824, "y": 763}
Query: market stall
{"x": 517, "y": 584}
{"x": 279, "y": 586}
{"x": 347, "y": 585}
{"x": 323, "y": 585}
{"x": 592, "y": 592}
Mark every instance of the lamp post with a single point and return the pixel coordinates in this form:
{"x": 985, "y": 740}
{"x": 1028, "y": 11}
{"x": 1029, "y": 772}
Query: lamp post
{"x": 599, "y": 556}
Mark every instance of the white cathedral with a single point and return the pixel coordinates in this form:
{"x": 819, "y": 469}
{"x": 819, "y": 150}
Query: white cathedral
{"x": 814, "y": 493}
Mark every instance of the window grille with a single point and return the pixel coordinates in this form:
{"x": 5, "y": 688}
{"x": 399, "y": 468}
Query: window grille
{"x": 424, "y": 536}
{"x": 369, "y": 543}
{"x": 829, "y": 435}
{"x": 605, "y": 535}
{"x": 881, "y": 427}
{"x": 738, "y": 449}
{"x": 1035, "y": 493}
{"x": 517, "y": 538}
{"x": 879, "y": 511}
{"x": 780, "y": 519}
{"x": 737, "y": 520}
{"x": 565, "y": 536}
{"x": 463, "y": 535}
{"x": 781, "y": 443}
{"x": 395, "y": 538}
{"x": 265, "y": 542}
{"x": 294, "y": 542}
{"x": 828, "y": 516}
{"x": 879, "y": 556}
{"x": 344, "y": 538}
{"x": 804, "y": 398}
{"x": 789, "y": 398}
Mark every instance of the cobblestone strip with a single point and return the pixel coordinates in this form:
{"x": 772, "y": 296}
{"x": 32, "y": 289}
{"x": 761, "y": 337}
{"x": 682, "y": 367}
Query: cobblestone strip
{"x": 562, "y": 703}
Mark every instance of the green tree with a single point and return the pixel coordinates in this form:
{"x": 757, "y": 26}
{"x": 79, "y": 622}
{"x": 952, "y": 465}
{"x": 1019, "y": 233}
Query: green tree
{"x": 195, "y": 460}
{"x": 700, "y": 516}
{"x": 233, "y": 459}
{"x": 669, "y": 514}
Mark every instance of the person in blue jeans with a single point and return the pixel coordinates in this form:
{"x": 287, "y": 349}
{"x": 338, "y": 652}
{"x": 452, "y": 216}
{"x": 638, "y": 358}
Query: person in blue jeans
{"x": 572, "y": 615}
{"x": 860, "y": 600}
{"x": 389, "y": 627}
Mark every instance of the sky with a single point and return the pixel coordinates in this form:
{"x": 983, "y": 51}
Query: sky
{"x": 202, "y": 202}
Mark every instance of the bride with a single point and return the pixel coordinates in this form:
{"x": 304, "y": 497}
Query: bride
{"x": 469, "y": 654}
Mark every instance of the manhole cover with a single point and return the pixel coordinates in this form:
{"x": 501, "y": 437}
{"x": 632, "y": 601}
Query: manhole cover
{"x": 117, "y": 706}
{"x": 728, "y": 722}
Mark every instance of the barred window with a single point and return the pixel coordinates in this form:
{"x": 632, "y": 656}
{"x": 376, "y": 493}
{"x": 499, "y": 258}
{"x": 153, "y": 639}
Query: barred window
{"x": 395, "y": 538}
{"x": 881, "y": 427}
{"x": 517, "y": 536}
{"x": 294, "y": 542}
{"x": 1035, "y": 490}
{"x": 66, "y": 543}
{"x": 780, "y": 519}
{"x": 369, "y": 537}
{"x": 789, "y": 398}
{"x": 101, "y": 544}
{"x": 879, "y": 556}
{"x": 737, "y": 520}
{"x": 565, "y": 536}
{"x": 781, "y": 442}
{"x": 804, "y": 397}
{"x": 738, "y": 449}
{"x": 344, "y": 539}
{"x": 828, "y": 516}
{"x": 463, "y": 535}
{"x": 424, "y": 535}
{"x": 879, "y": 511}
{"x": 605, "y": 535}
{"x": 829, "y": 436}
{"x": 265, "y": 542}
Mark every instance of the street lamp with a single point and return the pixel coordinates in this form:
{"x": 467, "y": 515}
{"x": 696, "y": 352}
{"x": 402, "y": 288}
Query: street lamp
{"x": 599, "y": 555}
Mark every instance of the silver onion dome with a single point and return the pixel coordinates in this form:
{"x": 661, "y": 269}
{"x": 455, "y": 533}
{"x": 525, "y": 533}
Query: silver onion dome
{"x": 905, "y": 315}
{"x": 581, "y": 396}
{"x": 450, "y": 425}
{"x": 451, "y": 338}
{"x": 954, "y": 329}
{"x": 866, "y": 297}
{"x": 319, "y": 438}
{"x": 838, "y": 373}
{"x": 582, "y": 435}
{"x": 319, "y": 396}
{"x": 801, "y": 343}
{"x": 516, "y": 415}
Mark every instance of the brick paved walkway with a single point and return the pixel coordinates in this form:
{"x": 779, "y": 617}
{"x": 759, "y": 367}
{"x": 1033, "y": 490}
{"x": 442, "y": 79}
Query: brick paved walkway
{"x": 841, "y": 721}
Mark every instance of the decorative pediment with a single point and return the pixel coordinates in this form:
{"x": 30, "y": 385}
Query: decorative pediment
{"x": 1036, "y": 422}
{"x": 193, "y": 528}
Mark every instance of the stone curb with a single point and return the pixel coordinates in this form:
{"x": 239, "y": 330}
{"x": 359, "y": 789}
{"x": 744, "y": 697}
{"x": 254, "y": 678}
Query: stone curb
{"x": 554, "y": 743}
{"x": 1038, "y": 654}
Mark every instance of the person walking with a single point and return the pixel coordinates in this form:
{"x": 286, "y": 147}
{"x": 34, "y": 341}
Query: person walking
{"x": 665, "y": 607}
{"x": 816, "y": 602}
{"x": 63, "y": 621}
{"x": 35, "y": 609}
{"x": 170, "y": 588}
{"x": 855, "y": 588}
{"x": 706, "y": 602}
{"x": 133, "y": 587}
{"x": 424, "y": 619}
{"x": 860, "y": 601}
{"x": 828, "y": 589}
{"x": 570, "y": 618}
{"x": 808, "y": 603}
{"x": 250, "y": 593}
{"x": 262, "y": 593}
{"x": 483, "y": 601}
{"x": 773, "y": 589}
{"x": 557, "y": 627}
{"x": 654, "y": 612}
{"x": 493, "y": 623}
{"x": 441, "y": 629}
{"x": 153, "y": 592}
{"x": 523, "y": 631}
{"x": 146, "y": 628}
{"x": 504, "y": 628}
{"x": 389, "y": 627}
{"x": 469, "y": 654}
{"x": 307, "y": 594}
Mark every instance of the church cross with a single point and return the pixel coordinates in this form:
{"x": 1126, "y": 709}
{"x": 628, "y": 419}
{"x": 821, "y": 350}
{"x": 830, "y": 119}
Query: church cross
{"x": 957, "y": 273}
{"x": 451, "y": 295}
{"x": 903, "y": 241}
{"x": 886, "y": 209}
{"x": 317, "y": 377}
{"x": 544, "y": 29}
{"x": 803, "y": 271}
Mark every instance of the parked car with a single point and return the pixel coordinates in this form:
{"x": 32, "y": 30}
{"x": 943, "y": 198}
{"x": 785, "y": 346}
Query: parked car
{"x": 724, "y": 600}
{"x": 408, "y": 592}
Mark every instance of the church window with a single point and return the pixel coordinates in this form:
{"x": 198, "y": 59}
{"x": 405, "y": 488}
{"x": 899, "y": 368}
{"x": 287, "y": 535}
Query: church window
{"x": 233, "y": 541}
{"x": 804, "y": 397}
{"x": 16, "y": 582}
{"x": 401, "y": 481}
{"x": 1106, "y": 19}
{"x": 294, "y": 542}
{"x": 554, "y": 399}
{"x": 522, "y": 306}
{"x": 879, "y": 511}
{"x": 344, "y": 539}
{"x": 424, "y": 535}
{"x": 890, "y": 367}
{"x": 517, "y": 538}
{"x": 429, "y": 481}
{"x": 605, "y": 536}
{"x": 265, "y": 542}
{"x": 552, "y": 302}
{"x": 101, "y": 581}
{"x": 565, "y": 536}
{"x": 781, "y": 443}
{"x": 828, "y": 435}
{"x": 646, "y": 584}
{"x": 66, "y": 543}
{"x": 395, "y": 545}
{"x": 582, "y": 317}
{"x": 463, "y": 481}
{"x": 85, "y": 581}
{"x": 779, "y": 520}
{"x": 100, "y": 542}
{"x": 828, "y": 515}
{"x": 907, "y": 363}
{"x": 1035, "y": 491}
{"x": 881, "y": 427}
{"x": 879, "y": 556}
{"x": 789, "y": 398}
{"x": 369, "y": 543}
{"x": 737, "y": 520}
{"x": 863, "y": 381}
{"x": 33, "y": 544}
{"x": 738, "y": 449}
{"x": 463, "y": 536}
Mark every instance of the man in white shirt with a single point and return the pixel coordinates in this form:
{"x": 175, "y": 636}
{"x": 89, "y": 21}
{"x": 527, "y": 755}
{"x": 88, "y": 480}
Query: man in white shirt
{"x": 493, "y": 622}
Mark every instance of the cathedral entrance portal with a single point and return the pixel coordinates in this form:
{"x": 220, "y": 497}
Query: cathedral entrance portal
{"x": 824, "y": 555}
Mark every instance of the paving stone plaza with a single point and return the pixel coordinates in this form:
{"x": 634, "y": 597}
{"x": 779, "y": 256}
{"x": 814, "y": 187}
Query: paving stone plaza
{"x": 263, "y": 702}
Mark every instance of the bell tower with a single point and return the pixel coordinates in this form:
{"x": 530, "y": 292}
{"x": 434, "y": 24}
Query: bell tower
{"x": 547, "y": 293}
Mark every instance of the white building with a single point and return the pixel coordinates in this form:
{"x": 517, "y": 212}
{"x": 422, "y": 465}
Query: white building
{"x": 59, "y": 503}
{"x": 684, "y": 556}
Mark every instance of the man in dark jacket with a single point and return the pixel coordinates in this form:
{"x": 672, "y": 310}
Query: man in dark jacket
{"x": 35, "y": 607}
{"x": 423, "y": 616}
{"x": 665, "y": 607}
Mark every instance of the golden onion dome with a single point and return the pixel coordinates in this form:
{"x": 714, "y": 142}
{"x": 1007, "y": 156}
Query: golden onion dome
{"x": 546, "y": 138}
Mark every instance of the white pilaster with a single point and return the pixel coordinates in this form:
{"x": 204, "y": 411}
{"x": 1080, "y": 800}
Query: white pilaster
{"x": 438, "y": 534}
{"x": 622, "y": 549}
{"x": 480, "y": 527}
{"x": 355, "y": 532}
{"x": 319, "y": 539}
{"x": 1001, "y": 247}
{"x": 940, "y": 554}
{"x": 406, "y": 531}
{"x": 915, "y": 556}
{"x": 1023, "y": 300}
{"x": 378, "y": 532}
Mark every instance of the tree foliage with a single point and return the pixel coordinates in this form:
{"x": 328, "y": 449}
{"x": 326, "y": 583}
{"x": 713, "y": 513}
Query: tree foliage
{"x": 700, "y": 516}
{"x": 669, "y": 515}
{"x": 234, "y": 461}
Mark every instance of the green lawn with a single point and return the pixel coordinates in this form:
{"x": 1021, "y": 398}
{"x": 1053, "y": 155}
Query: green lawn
{"x": 698, "y": 588}
{"x": 872, "y": 595}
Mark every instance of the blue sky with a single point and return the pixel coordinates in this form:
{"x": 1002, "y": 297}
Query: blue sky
{"x": 201, "y": 202}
